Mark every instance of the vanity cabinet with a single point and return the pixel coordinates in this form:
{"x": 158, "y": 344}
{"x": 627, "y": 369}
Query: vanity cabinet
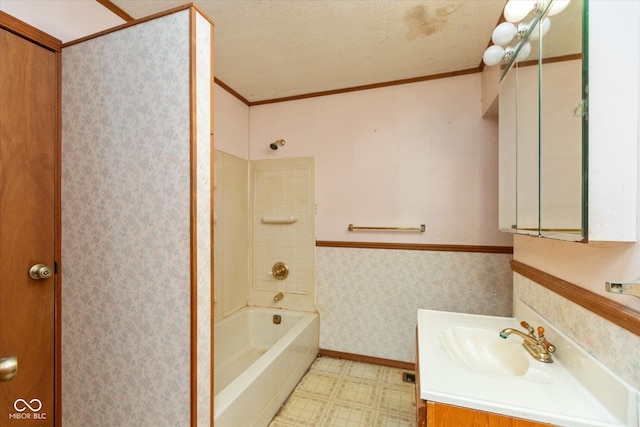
{"x": 441, "y": 415}
{"x": 614, "y": 115}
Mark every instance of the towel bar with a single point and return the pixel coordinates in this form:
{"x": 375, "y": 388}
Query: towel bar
{"x": 357, "y": 228}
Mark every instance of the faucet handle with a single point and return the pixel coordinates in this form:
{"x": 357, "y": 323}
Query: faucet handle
{"x": 525, "y": 325}
{"x": 546, "y": 344}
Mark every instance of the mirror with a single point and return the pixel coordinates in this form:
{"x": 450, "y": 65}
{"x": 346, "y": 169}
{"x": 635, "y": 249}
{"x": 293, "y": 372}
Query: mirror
{"x": 543, "y": 131}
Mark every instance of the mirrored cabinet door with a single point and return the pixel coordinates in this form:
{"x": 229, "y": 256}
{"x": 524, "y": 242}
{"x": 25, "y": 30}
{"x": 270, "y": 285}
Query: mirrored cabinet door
{"x": 561, "y": 123}
{"x": 527, "y": 141}
{"x": 507, "y": 215}
{"x": 542, "y": 143}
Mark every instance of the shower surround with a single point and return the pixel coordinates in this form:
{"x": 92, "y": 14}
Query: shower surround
{"x": 251, "y": 237}
{"x": 283, "y": 230}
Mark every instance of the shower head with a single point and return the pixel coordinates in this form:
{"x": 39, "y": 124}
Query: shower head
{"x": 275, "y": 145}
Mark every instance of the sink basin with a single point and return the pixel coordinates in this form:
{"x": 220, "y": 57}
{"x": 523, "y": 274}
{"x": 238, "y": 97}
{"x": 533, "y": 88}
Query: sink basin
{"x": 483, "y": 351}
{"x": 462, "y": 361}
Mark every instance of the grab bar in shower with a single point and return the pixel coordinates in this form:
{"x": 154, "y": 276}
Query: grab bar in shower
{"x": 357, "y": 228}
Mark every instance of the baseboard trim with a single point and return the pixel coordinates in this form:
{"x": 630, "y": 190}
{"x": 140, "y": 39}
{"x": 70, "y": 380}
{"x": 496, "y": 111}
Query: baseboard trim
{"x": 367, "y": 359}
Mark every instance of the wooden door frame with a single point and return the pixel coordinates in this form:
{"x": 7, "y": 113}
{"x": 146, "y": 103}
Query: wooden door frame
{"x": 26, "y": 31}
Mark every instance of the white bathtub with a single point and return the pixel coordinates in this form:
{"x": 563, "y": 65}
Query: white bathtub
{"x": 258, "y": 363}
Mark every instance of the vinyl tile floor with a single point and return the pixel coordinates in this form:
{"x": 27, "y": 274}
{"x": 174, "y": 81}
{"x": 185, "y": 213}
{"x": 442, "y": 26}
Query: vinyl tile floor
{"x": 344, "y": 393}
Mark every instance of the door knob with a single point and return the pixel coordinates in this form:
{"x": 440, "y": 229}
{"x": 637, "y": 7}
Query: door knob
{"x": 8, "y": 368}
{"x": 40, "y": 271}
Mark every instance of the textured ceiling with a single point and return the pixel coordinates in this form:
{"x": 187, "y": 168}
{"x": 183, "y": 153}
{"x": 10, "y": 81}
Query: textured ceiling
{"x": 271, "y": 49}
{"x": 275, "y": 49}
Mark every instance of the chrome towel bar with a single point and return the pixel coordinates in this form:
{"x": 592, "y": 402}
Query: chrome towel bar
{"x": 357, "y": 228}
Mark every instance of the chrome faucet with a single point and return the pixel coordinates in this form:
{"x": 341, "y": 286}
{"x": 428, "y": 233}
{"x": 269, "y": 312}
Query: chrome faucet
{"x": 538, "y": 347}
{"x": 278, "y": 296}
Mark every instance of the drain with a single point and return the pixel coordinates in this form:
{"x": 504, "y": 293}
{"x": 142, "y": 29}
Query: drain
{"x": 408, "y": 377}
{"x": 277, "y": 319}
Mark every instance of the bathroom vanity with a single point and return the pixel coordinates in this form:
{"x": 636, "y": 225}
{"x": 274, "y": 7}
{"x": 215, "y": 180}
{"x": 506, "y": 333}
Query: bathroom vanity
{"x": 468, "y": 375}
{"x": 438, "y": 414}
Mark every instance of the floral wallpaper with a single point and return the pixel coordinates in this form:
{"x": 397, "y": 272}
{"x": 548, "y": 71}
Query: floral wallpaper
{"x": 368, "y": 298}
{"x": 126, "y": 227}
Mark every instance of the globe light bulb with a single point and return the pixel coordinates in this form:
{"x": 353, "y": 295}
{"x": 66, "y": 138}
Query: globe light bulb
{"x": 493, "y": 55}
{"x": 542, "y": 28}
{"x": 504, "y": 33}
{"x": 558, "y": 6}
{"x": 517, "y": 10}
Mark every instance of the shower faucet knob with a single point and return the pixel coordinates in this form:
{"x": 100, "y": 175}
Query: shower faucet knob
{"x": 280, "y": 271}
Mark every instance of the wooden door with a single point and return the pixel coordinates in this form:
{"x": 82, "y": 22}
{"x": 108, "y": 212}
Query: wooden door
{"x": 28, "y": 151}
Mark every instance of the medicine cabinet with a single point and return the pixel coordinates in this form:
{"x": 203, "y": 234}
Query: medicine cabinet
{"x": 543, "y": 129}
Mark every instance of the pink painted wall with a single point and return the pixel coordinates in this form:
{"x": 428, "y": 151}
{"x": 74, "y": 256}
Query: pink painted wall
{"x": 397, "y": 156}
{"x": 231, "y": 124}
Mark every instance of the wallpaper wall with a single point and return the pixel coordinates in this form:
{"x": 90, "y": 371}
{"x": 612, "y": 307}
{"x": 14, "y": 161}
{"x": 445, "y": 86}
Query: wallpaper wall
{"x": 126, "y": 226}
{"x": 368, "y": 298}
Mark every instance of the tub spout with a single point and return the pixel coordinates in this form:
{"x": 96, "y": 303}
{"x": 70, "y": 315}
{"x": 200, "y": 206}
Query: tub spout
{"x": 278, "y": 296}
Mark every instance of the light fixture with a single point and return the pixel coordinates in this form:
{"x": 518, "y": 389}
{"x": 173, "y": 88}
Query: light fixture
{"x": 517, "y": 10}
{"x": 558, "y": 6}
{"x": 496, "y": 54}
{"x": 506, "y": 32}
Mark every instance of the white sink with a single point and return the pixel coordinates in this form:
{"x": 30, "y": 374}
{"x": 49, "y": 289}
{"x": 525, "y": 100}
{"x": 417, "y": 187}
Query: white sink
{"x": 482, "y": 350}
{"x": 464, "y": 362}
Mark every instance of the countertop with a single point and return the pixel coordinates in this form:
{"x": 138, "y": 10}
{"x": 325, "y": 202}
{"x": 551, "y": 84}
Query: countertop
{"x": 575, "y": 390}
